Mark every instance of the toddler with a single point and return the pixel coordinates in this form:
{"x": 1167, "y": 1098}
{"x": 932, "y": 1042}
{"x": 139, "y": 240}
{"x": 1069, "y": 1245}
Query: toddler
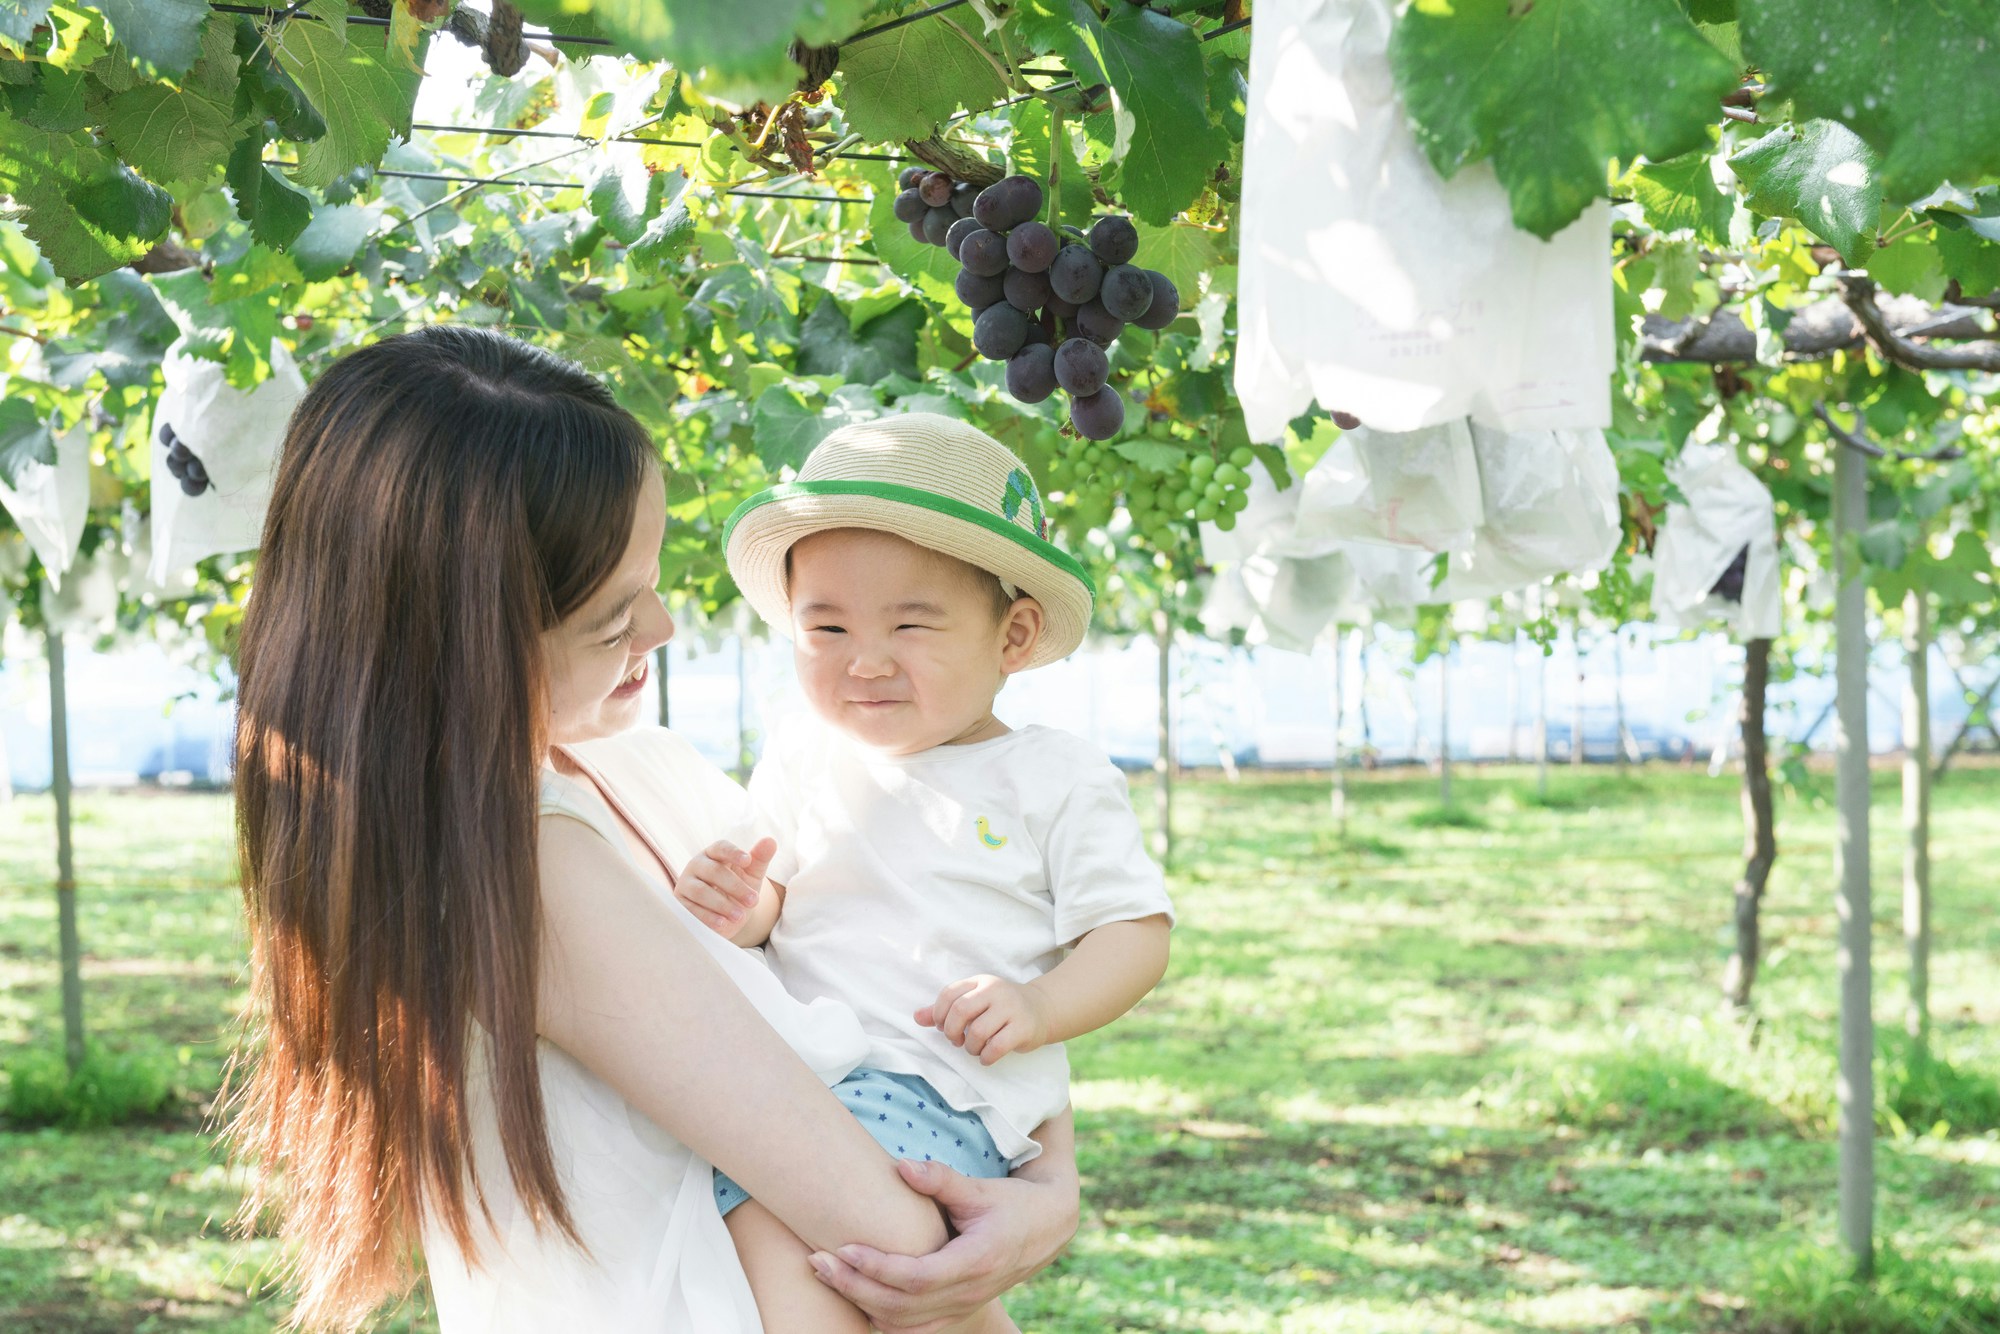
{"x": 977, "y": 894}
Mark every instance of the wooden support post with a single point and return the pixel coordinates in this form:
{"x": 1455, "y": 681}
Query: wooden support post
{"x": 1338, "y": 641}
{"x": 660, "y": 683}
{"x": 70, "y": 944}
{"x": 1856, "y": 1085}
{"x": 1163, "y": 761}
{"x": 1917, "y": 812}
{"x": 1444, "y": 728}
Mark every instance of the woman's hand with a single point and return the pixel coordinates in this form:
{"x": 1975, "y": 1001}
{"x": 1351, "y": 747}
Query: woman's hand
{"x": 1007, "y": 1231}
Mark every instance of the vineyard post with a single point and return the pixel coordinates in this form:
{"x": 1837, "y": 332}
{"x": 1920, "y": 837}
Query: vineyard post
{"x": 660, "y": 666}
{"x": 1917, "y": 811}
{"x": 72, "y": 950}
{"x": 1618, "y": 694}
{"x": 1542, "y": 725}
{"x": 1514, "y": 698}
{"x": 1163, "y": 775}
{"x": 1576, "y": 702}
{"x": 1856, "y": 1083}
{"x": 1444, "y": 727}
{"x": 1339, "y": 643}
{"x": 742, "y": 700}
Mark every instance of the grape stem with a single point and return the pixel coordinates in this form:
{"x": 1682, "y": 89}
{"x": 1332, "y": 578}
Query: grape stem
{"x": 1055, "y": 163}
{"x": 1008, "y": 79}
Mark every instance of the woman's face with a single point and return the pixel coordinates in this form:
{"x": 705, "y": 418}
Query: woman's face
{"x": 597, "y": 657}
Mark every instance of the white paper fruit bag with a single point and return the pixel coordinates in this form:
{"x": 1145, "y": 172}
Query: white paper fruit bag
{"x": 1371, "y": 283}
{"x": 1551, "y": 507}
{"x": 217, "y": 503}
{"x": 50, "y": 501}
{"x": 1408, "y": 489}
{"x": 1717, "y": 555}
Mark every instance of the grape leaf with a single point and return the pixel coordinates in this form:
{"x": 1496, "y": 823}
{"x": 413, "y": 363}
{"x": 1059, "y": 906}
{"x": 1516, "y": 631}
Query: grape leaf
{"x": 20, "y": 18}
{"x": 928, "y": 268}
{"x": 24, "y": 439}
{"x": 784, "y": 429}
{"x": 1911, "y": 266}
{"x": 1680, "y": 193}
{"x": 1183, "y": 252}
{"x": 1533, "y": 86}
{"x": 1914, "y": 80}
{"x": 331, "y": 240}
{"x": 1067, "y": 29}
{"x": 166, "y": 34}
{"x": 746, "y": 40}
{"x": 902, "y": 83}
{"x": 236, "y": 333}
{"x": 360, "y": 98}
{"x": 1151, "y": 455}
{"x": 622, "y": 194}
{"x": 276, "y": 211}
{"x": 1974, "y": 261}
{"x": 123, "y": 203}
{"x": 1030, "y": 157}
{"x": 666, "y": 239}
{"x": 885, "y": 345}
{"x": 38, "y": 170}
{"x": 56, "y": 100}
{"x": 1823, "y": 175}
{"x": 1166, "y": 145}
{"x": 174, "y": 135}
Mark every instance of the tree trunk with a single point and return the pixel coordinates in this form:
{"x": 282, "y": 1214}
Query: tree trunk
{"x": 660, "y": 670}
{"x": 1444, "y": 728}
{"x": 1856, "y": 1089}
{"x": 71, "y": 947}
{"x": 1917, "y": 813}
{"x": 1163, "y": 762}
{"x": 1760, "y": 839}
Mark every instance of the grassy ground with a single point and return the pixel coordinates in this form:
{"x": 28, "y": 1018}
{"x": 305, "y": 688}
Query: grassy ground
{"x": 1445, "y": 1075}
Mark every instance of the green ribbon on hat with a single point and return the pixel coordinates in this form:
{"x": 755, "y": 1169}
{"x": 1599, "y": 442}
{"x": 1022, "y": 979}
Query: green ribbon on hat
{"x": 930, "y": 500}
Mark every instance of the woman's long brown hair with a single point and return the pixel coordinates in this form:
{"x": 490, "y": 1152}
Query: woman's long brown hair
{"x": 442, "y": 499}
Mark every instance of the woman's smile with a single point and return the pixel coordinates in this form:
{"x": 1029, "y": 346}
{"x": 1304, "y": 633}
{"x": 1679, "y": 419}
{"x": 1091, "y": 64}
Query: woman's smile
{"x": 633, "y": 681}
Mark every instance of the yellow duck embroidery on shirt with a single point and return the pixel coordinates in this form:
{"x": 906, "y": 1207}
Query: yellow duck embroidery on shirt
{"x": 988, "y": 837}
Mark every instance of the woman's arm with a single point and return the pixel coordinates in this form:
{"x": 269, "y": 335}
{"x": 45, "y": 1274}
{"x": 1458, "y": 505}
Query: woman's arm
{"x": 1008, "y": 1231}
{"x": 629, "y": 992}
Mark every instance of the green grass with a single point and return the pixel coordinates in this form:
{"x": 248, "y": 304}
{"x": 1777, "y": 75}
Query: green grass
{"x": 1440, "y": 1074}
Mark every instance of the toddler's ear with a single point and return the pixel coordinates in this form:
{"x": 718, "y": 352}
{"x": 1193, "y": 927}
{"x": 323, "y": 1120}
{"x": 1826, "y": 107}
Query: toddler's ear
{"x": 1021, "y": 629}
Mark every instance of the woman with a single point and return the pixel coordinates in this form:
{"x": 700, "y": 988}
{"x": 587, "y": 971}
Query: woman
{"x": 494, "y": 1035}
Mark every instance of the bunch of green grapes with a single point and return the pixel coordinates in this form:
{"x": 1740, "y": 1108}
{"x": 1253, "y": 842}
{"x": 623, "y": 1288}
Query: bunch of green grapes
{"x": 1094, "y": 478}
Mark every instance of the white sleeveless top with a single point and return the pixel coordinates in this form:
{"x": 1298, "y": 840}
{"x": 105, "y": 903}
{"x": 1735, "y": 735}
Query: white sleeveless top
{"x": 659, "y": 1259}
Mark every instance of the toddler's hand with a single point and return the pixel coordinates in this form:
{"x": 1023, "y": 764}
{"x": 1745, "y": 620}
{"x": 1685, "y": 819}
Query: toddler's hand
{"x": 723, "y": 883}
{"x": 988, "y": 1016}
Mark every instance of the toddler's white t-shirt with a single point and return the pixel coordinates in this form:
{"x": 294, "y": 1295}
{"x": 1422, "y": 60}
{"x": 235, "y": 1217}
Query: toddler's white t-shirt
{"x": 906, "y": 873}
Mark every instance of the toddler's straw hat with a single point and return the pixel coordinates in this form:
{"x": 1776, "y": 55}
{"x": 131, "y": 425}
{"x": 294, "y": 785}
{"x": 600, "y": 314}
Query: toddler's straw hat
{"x": 935, "y": 480}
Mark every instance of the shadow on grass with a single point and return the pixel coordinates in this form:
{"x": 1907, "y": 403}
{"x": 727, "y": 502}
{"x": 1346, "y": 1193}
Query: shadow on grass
{"x": 1650, "y": 1097}
{"x": 1455, "y": 816}
{"x": 1813, "y": 1290}
{"x": 1923, "y": 1093}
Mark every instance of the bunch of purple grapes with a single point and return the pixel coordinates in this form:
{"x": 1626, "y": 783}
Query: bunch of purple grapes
{"x": 1046, "y": 303}
{"x": 182, "y": 463}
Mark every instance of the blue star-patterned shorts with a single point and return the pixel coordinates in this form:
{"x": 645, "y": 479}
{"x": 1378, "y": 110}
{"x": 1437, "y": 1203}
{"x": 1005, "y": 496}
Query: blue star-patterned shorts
{"x": 908, "y": 1118}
